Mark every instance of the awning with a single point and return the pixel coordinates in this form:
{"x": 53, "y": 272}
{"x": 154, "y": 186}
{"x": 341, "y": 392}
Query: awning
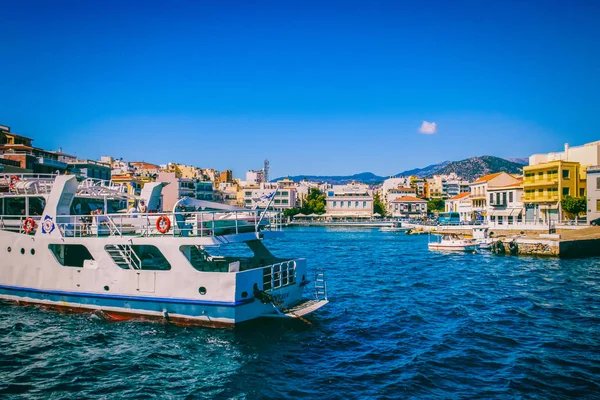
{"x": 505, "y": 213}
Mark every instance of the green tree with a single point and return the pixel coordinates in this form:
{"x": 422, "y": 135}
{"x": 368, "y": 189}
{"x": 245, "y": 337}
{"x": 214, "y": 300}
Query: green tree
{"x": 436, "y": 205}
{"x": 574, "y": 206}
{"x": 290, "y": 212}
{"x": 314, "y": 202}
{"x": 378, "y": 206}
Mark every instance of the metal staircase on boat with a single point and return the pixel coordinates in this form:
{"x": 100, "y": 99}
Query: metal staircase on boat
{"x": 124, "y": 256}
{"x": 320, "y": 284}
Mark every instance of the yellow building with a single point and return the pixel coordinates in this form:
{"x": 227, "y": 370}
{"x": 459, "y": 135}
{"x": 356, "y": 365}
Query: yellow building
{"x": 546, "y": 184}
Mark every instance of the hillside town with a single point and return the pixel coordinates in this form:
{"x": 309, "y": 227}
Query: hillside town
{"x": 537, "y": 196}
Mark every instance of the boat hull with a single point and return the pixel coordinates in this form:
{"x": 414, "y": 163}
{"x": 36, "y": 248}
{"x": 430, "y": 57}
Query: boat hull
{"x": 436, "y": 246}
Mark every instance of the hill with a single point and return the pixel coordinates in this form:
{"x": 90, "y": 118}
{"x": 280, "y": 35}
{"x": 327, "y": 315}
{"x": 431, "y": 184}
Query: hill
{"x": 468, "y": 169}
{"x": 364, "y": 177}
{"x": 475, "y": 167}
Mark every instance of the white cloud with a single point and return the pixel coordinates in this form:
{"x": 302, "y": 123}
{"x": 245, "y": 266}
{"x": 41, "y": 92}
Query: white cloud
{"x": 428, "y": 128}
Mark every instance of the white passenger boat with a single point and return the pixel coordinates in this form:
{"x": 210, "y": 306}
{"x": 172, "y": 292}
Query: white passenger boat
{"x": 452, "y": 242}
{"x": 199, "y": 268}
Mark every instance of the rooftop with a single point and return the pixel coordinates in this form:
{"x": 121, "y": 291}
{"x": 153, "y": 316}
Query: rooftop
{"x": 461, "y": 196}
{"x": 488, "y": 177}
{"x": 409, "y": 199}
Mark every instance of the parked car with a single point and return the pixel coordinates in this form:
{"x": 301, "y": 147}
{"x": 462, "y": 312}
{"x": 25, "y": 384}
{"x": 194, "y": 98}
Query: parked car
{"x": 595, "y": 222}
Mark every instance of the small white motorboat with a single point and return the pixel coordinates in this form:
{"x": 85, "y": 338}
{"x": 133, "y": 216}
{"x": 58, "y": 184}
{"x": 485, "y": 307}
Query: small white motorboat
{"x": 452, "y": 242}
{"x": 397, "y": 227}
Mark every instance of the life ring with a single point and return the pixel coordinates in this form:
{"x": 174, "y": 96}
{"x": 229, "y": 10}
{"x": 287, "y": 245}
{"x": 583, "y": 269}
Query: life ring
{"x": 159, "y": 224}
{"x": 28, "y": 225}
{"x": 13, "y": 179}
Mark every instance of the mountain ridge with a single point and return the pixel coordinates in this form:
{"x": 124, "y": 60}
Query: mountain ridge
{"x": 468, "y": 169}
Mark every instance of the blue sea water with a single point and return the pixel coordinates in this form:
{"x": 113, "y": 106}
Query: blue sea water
{"x": 403, "y": 322}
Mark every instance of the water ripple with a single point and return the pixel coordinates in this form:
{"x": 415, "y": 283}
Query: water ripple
{"x": 402, "y": 323}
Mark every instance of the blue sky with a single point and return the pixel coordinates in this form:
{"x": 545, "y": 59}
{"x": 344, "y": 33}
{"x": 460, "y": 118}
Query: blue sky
{"x": 316, "y": 87}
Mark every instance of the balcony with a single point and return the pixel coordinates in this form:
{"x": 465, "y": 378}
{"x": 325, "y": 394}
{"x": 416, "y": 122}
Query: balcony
{"x": 528, "y": 182}
{"x": 540, "y": 199}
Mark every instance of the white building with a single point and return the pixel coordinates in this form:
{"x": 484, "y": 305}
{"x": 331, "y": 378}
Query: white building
{"x": 505, "y": 206}
{"x": 586, "y": 155}
{"x": 462, "y": 204}
{"x": 391, "y": 184}
{"x": 479, "y": 191}
{"x": 183, "y": 187}
{"x": 409, "y": 207}
{"x": 353, "y": 200}
{"x": 593, "y": 193}
{"x": 255, "y": 177}
{"x": 393, "y": 194}
{"x": 259, "y": 197}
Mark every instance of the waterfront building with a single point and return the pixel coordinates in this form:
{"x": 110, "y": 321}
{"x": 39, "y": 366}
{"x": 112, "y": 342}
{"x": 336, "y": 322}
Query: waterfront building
{"x": 132, "y": 184}
{"x": 547, "y": 184}
{"x": 505, "y": 206}
{"x": 258, "y": 196}
{"x": 593, "y": 192}
{"x": 391, "y": 184}
{"x": 353, "y": 200}
{"x": 186, "y": 171}
{"x": 304, "y": 187}
{"x": 435, "y": 186}
{"x": 420, "y": 185}
{"x": 26, "y": 158}
{"x": 227, "y": 193}
{"x": 586, "y": 155}
{"x": 179, "y": 187}
{"x": 225, "y": 176}
{"x": 409, "y": 207}
{"x": 255, "y": 177}
{"x": 121, "y": 167}
{"x": 462, "y": 204}
{"x": 480, "y": 195}
{"x": 396, "y": 193}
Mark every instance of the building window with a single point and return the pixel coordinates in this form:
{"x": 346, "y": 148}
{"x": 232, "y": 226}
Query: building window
{"x": 365, "y": 203}
{"x": 491, "y": 198}
{"x": 248, "y": 193}
{"x": 356, "y": 204}
{"x": 581, "y": 192}
{"x": 598, "y": 182}
{"x": 341, "y": 204}
{"x": 334, "y": 204}
{"x": 565, "y": 174}
{"x": 284, "y": 201}
{"x": 565, "y": 191}
{"x": 598, "y": 205}
{"x": 510, "y": 197}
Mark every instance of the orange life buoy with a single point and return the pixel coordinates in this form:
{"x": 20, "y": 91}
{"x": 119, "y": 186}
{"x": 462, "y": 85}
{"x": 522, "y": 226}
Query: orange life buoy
{"x": 13, "y": 179}
{"x": 159, "y": 224}
{"x": 28, "y": 225}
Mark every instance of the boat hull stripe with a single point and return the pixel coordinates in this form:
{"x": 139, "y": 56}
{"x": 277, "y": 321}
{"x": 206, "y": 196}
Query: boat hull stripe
{"x": 127, "y": 298}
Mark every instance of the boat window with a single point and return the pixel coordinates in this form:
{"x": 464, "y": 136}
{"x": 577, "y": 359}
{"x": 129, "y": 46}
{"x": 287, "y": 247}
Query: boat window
{"x": 144, "y": 257}
{"x": 70, "y": 255}
{"x": 224, "y": 258}
{"x": 14, "y": 206}
{"x": 84, "y": 206}
{"x": 36, "y": 205}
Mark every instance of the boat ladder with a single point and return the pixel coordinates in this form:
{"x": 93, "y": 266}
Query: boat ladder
{"x": 124, "y": 256}
{"x": 320, "y": 284}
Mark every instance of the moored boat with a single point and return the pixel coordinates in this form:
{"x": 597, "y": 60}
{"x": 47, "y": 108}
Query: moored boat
{"x": 452, "y": 242}
{"x": 64, "y": 247}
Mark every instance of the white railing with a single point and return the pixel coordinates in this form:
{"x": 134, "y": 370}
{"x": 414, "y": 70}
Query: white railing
{"x": 194, "y": 224}
{"x": 278, "y": 275}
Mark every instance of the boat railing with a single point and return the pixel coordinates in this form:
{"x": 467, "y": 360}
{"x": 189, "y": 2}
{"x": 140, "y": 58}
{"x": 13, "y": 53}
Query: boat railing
{"x": 34, "y": 184}
{"x": 16, "y": 223}
{"x": 187, "y": 224}
{"x": 278, "y": 275}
